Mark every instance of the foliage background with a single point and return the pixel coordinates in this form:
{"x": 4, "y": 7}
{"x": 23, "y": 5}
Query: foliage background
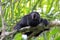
{"x": 14, "y": 10}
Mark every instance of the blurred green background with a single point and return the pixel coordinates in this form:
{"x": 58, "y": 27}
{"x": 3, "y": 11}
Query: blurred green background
{"x": 14, "y": 10}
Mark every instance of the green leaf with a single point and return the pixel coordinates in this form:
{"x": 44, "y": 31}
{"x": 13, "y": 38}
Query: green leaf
{"x": 58, "y": 38}
{"x": 18, "y": 36}
{"x": 54, "y": 31}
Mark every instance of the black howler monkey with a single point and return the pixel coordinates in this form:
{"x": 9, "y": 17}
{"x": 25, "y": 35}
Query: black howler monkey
{"x": 32, "y": 19}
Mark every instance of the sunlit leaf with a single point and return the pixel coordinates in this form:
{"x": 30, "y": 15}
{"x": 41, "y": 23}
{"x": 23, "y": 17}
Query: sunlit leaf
{"x": 18, "y": 36}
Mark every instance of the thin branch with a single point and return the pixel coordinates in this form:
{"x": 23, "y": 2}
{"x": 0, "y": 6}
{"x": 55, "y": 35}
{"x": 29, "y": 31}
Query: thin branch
{"x": 3, "y": 26}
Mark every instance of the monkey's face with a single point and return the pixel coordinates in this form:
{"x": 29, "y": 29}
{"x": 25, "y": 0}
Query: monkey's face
{"x": 35, "y": 16}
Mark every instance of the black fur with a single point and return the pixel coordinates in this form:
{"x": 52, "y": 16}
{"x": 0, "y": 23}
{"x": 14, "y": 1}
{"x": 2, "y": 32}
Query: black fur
{"x": 32, "y": 19}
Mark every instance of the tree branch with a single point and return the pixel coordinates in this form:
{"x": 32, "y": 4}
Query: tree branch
{"x": 39, "y": 28}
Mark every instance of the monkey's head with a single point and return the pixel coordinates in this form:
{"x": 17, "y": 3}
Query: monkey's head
{"x": 35, "y": 15}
